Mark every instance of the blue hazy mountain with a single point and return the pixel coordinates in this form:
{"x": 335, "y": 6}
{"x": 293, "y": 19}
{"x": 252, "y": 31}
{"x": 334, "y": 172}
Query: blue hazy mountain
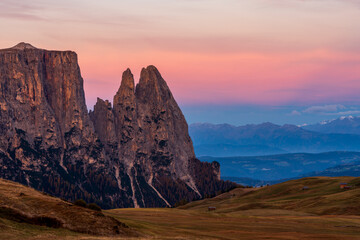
{"x": 347, "y": 169}
{"x": 264, "y": 139}
{"x": 284, "y": 166}
{"x": 228, "y": 150}
{"x": 347, "y": 125}
{"x": 247, "y": 181}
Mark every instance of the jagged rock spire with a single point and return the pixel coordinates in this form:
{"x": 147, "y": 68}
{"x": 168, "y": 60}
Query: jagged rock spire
{"x": 103, "y": 113}
{"x": 152, "y": 87}
{"x": 152, "y": 134}
{"x": 127, "y": 85}
{"x": 125, "y": 108}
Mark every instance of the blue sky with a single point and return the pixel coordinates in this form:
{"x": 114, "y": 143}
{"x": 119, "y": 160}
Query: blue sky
{"x": 210, "y": 52}
{"x": 255, "y": 114}
{"x": 227, "y": 61}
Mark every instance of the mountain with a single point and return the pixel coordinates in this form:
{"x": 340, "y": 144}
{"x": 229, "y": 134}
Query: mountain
{"x": 135, "y": 154}
{"x": 346, "y": 125}
{"x": 351, "y": 169}
{"x": 265, "y": 139}
{"x": 283, "y": 166}
{"x": 229, "y": 150}
{"x": 244, "y": 181}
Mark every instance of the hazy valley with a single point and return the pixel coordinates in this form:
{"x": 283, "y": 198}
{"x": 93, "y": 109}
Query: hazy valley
{"x": 268, "y": 153}
{"x": 223, "y": 140}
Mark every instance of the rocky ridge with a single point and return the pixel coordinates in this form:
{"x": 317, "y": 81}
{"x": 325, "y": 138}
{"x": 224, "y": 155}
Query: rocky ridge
{"x": 136, "y": 153}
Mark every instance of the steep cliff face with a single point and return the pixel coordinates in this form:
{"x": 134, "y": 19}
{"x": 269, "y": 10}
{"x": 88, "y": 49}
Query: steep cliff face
{"x": 47, "y": 138}
{"x": 135, "y": 154}
{"x": 165, "y": 130}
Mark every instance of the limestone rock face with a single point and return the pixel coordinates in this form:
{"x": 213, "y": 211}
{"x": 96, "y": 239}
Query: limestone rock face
{"x": 47, "y": 139}
{"x": 162, "y": 120}
{"x": 164, "y": 134}
{"x": 137, "y": 153}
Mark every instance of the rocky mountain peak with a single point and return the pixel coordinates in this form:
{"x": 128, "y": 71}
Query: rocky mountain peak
{"x": 152, "y": 132}
{"x": 150, "y": 73}
{"x": 128, "y": 80}
{"x": 127, "y": 88}
{"x": 152, "y": 87}
{"x": 102, "y": 103}
{"x": 23, "y": 46}
{"x": 124, "y": 102}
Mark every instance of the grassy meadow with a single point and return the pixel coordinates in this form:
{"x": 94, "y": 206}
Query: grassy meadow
{"x": 282, "y": 211}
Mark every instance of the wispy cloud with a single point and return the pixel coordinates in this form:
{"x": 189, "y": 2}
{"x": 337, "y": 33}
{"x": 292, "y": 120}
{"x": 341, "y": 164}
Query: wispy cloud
{"x": 331, "y": 110}
{"x": 344, "y": 113}
{"x": 17, "y": 9}
{"x": 295, "y": 113}
{"x": 325, "y": 109}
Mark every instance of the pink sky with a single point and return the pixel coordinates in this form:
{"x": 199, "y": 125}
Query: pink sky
{"x": 270, "y": 52}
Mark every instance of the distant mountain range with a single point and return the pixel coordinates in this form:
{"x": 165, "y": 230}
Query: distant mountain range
{"x": 346, "y": 125}
{"x": 226, "y": 140}
{"x": 259, "y": 154}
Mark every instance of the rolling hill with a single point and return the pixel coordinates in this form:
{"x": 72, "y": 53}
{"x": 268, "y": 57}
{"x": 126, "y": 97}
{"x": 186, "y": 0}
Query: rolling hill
{"x": 323, "y": 197}
{"x": 282, "y": 211}
{"x": 346, "y": 169}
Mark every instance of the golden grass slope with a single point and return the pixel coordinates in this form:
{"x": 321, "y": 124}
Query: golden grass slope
{"x": 258, "y": 224}
{"x": 324, "y": 197}
{"x": 282, "y": 211}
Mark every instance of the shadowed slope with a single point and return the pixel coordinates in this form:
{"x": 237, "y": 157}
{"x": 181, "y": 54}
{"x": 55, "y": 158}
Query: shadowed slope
{"x": 26, "y": 205}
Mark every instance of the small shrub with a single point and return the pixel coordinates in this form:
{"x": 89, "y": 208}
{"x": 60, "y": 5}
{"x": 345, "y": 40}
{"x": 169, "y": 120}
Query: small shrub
{"x": 94, "y": 206}
{"x": 99, "y": 214}
{"x": 46, "y": 221}
{"x": 65, "y": 200}
{"x": 80, "y": 203}
{"x": 181, "y": 203}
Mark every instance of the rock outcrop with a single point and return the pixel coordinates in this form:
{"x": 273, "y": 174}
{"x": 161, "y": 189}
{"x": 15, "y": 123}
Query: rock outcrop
{"x": 135, "y": 154}
{"x": 151, "y": 135}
